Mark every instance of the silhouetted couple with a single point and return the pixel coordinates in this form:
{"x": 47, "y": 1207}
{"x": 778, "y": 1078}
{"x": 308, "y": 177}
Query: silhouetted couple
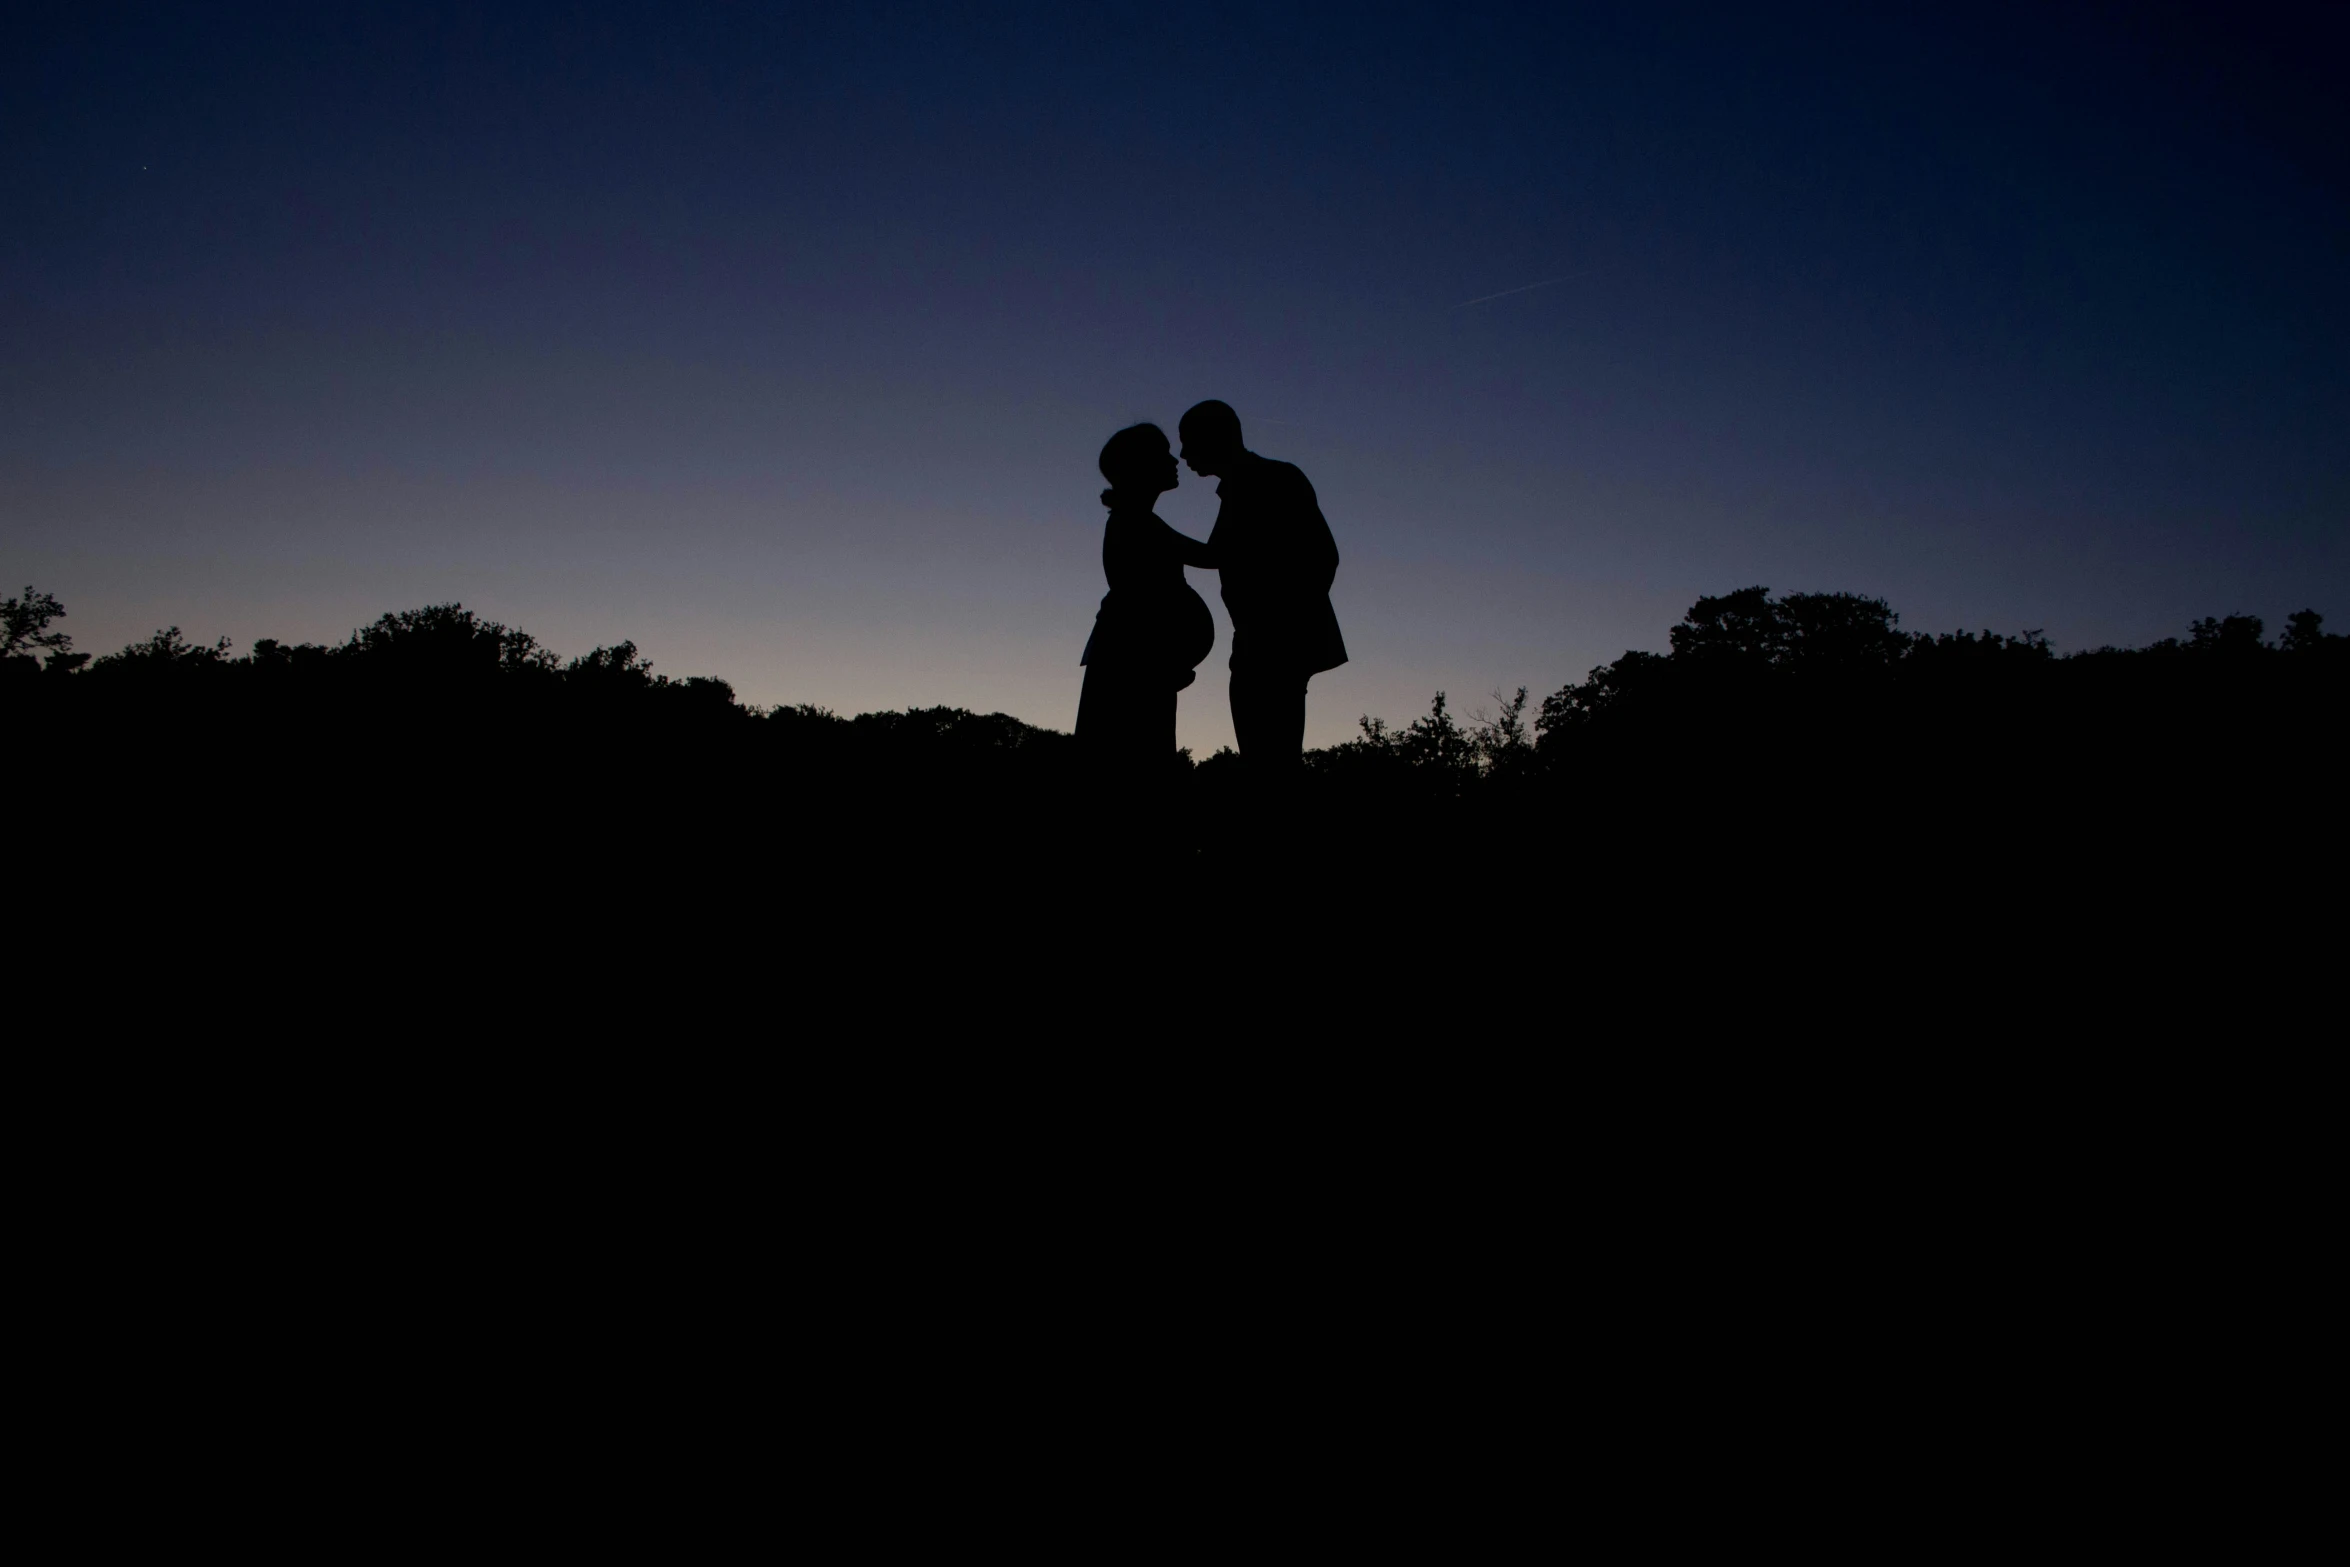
{"x": 1277, "y": 560}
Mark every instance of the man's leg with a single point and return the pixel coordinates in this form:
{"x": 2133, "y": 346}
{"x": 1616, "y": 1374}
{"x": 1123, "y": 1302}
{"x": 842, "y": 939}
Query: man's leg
{"x": 1269, "y": 716}
{"x": 1268, "y": 721}
{"x": 1291, "y": 716}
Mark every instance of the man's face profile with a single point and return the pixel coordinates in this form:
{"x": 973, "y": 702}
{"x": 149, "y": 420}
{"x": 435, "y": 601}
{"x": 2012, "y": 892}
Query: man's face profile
{"x": 1202, "y": 455}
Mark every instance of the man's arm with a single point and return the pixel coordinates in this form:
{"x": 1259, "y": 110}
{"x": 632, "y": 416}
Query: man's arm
{"x": 1316, "y": 552}
{"x": 1193, "y": 551}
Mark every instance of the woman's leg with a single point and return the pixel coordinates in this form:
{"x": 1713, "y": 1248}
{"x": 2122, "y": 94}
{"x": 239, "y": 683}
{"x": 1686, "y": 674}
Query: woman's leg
{"x": 1162, "y": 732}
{"x": 1126, "y": 718}
{"x": 1094, "y": 704}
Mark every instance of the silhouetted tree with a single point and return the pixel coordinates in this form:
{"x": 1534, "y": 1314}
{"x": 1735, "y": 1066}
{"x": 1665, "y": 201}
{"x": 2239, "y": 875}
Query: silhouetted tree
{"x": 2234, "y": 637}
{"x": 25, "y": 635}
{"x": 1840, "y": 631}
{"x": 1607, "y": 689}
{"x": 1439, "y": 744}
{"x": 1504, "y": 747}
{"x": 1743, "y": 628}
{"x": 448, "y": 642}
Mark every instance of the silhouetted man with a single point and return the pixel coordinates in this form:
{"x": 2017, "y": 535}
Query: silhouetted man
{"x": 1277, "y": 560}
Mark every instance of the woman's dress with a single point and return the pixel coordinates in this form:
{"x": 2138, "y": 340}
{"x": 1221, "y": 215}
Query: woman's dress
{"x": 1151, "y": 632}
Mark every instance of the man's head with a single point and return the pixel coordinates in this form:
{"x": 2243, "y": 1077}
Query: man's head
{"x": 1211, "y": 437}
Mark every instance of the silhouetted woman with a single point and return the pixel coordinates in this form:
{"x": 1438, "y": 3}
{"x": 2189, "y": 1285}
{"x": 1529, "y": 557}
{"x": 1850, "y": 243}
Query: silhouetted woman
{"x": 1152, "y": 630}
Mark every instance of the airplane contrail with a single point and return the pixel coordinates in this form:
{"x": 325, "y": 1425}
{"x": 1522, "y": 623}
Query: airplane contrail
{"x": 1507, "y": 292}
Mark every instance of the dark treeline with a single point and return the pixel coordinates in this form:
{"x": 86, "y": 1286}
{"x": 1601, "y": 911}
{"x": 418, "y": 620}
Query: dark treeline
{"x": 1798, "y": 762}
{"x": 441, "y": 672}
{"x": 1817, "y": 686}
{"x": 1807, "y": 678}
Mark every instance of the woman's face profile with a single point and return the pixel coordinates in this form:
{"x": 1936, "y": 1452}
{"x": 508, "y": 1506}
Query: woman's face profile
{"x": 1135, "y": 465}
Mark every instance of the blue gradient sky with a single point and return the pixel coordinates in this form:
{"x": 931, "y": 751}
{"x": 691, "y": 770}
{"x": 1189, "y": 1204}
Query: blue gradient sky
{"x": 782, "y": 340}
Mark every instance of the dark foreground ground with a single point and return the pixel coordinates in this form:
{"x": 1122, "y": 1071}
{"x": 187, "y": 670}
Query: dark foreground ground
{"x": 1915, "y": 1058}
{"x": 343, "y": 881}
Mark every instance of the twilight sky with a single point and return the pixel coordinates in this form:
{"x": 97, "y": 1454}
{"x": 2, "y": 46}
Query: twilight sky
{"x": 781, "y": 339}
